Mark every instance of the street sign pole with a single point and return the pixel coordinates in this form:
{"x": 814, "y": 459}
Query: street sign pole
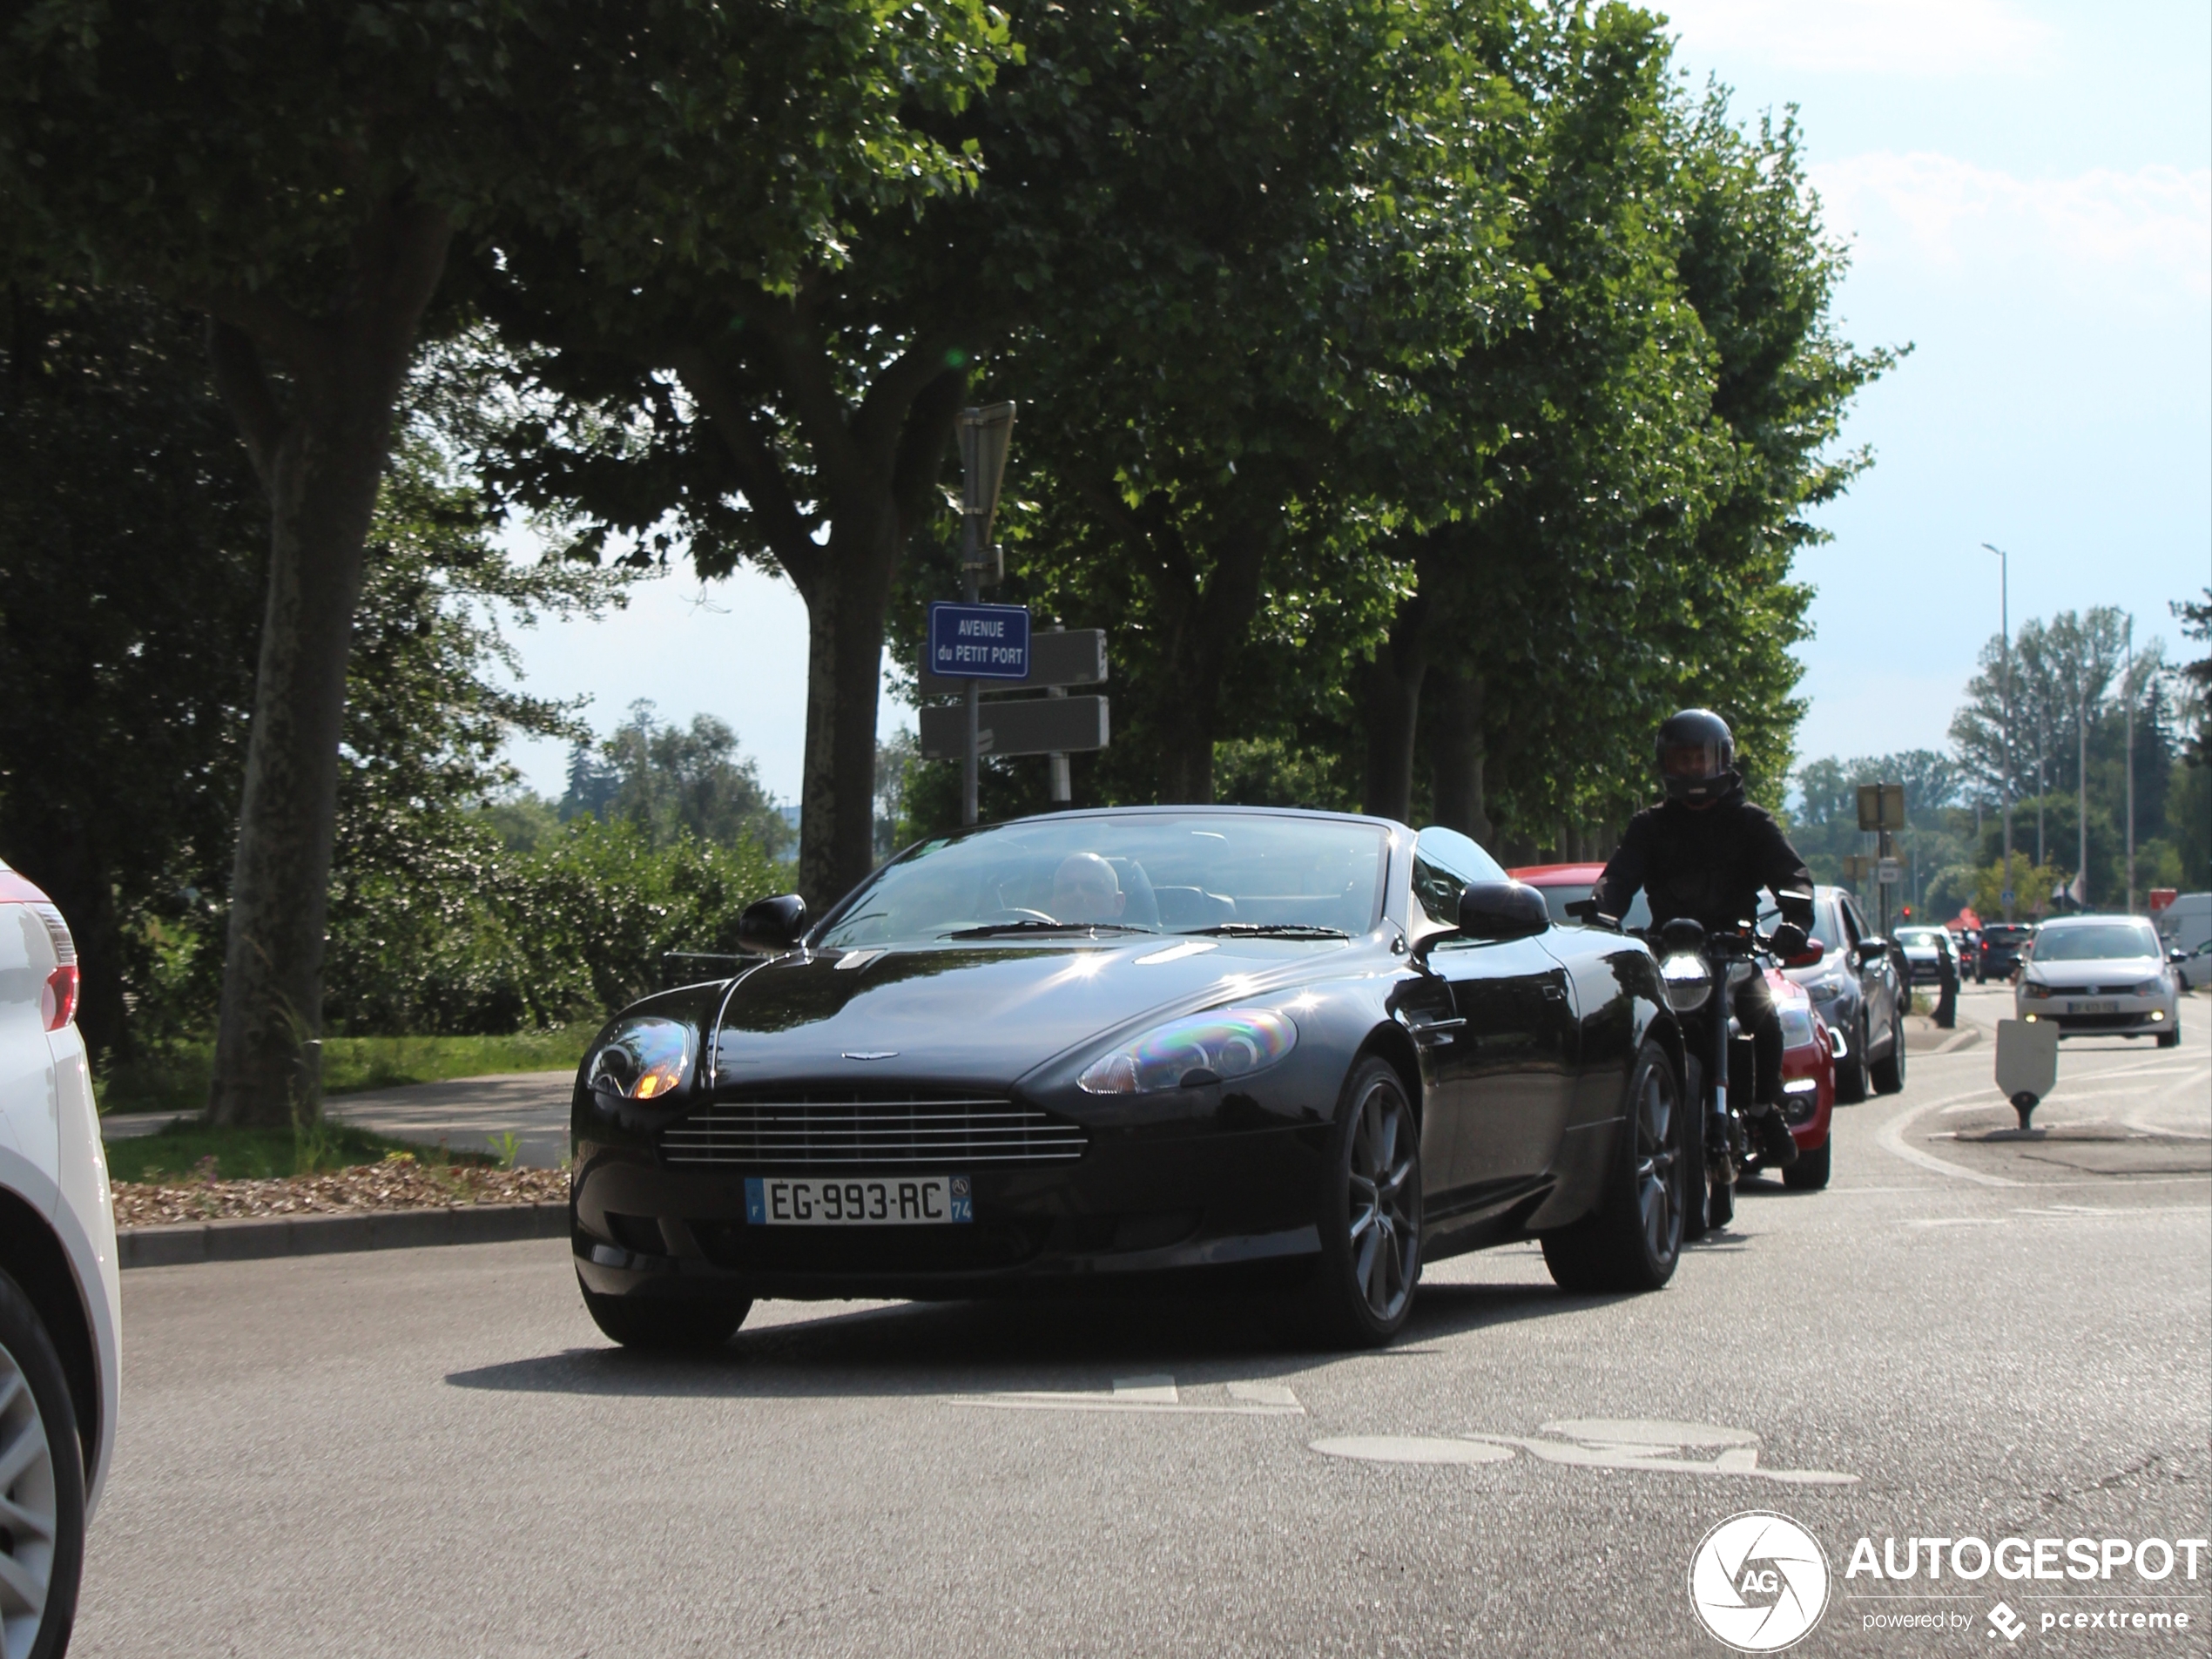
{"x": 984, "y": 434}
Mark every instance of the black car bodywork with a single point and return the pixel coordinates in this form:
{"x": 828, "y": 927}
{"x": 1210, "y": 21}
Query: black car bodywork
{"x": 2002, "y": 944}
{"x": 964, "y": 1054}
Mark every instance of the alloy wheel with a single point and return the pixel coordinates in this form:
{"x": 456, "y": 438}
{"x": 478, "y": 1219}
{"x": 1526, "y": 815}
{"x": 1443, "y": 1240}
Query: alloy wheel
{"x": 1657, "y": 1206}
{"x": 1385, "y": 1234}
{"x": 29, "y": 1511}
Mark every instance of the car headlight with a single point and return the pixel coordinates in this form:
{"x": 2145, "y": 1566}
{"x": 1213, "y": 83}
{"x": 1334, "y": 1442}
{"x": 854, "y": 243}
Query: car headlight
{"x": 644, "y": 1058}
{"x": 2150, "y": 987}
{"x": 2035, "y": 989}
{"x": 1690, "y": 981}
{"x": 1222, "y": 1046}
{"x": 1827, "y": 988}
{"x": 1797, "y": 1027}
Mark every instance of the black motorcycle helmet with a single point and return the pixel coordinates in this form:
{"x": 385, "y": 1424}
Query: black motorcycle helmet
{"x": 1697, "y": 756}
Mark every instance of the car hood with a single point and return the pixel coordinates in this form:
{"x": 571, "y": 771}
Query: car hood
{"x": 982, "y": 1012}
{"x": 2111, "y": 970}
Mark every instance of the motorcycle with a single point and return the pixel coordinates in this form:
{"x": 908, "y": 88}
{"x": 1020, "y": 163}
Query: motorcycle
{"x": 1701, "y": 971}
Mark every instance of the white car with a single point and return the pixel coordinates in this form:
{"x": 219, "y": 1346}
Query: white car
{"x": 2101, "y": 976}
{"x": 60, "y": 1304}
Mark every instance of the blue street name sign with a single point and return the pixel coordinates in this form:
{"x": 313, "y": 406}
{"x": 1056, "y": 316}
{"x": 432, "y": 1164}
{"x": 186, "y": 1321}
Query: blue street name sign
{"x": 978, "y": 642}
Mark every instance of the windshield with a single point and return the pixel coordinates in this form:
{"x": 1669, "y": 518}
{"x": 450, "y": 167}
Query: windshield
{"x": 1218, "y": 872}
{"x": 1927, "y": 936}
{"x": 2095, "y": 941}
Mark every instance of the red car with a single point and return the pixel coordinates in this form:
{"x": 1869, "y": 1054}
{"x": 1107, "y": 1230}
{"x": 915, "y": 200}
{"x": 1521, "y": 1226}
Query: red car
{"x": 1808, "y": 1057}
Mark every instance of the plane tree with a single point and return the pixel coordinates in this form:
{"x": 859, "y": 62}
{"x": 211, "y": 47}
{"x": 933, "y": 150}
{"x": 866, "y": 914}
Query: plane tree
{"x": 300, "y": 174}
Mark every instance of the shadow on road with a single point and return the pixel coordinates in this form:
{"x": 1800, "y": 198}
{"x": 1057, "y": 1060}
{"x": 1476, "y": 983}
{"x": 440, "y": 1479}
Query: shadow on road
{"x": 914, "y": 1348}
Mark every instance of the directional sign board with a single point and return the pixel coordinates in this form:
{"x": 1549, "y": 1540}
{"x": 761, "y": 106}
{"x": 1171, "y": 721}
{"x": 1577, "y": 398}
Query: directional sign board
{"x": 1074, "y": 658}
{"x": 978, "y": 642}
{"x": 1035, "y": 726}
{"x": 1881, "y": 806}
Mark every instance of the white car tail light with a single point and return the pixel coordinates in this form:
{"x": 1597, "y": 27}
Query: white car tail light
{"x": 58, "y": 997}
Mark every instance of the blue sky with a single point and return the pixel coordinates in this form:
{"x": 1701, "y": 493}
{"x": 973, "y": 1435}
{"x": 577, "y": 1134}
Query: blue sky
{"x": 2027, "y": 193}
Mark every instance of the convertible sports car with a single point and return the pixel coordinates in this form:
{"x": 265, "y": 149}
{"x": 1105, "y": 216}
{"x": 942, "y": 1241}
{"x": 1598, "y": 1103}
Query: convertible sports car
{"x": 1301, "y": 1051}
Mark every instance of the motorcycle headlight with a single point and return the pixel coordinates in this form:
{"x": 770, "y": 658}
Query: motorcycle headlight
{"x": 1223, "y": 1046}
{"x": 644, "y": 1058}
{"x": 2034, "y": 989}
{"x": 1689, "y": 981}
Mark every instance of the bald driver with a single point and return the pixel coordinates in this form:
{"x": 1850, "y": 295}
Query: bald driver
{"x": 1085, "y": 889}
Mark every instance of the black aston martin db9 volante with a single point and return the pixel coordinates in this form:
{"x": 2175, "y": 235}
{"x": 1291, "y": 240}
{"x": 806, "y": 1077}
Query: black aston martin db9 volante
{"x": 1311, "y": 1049}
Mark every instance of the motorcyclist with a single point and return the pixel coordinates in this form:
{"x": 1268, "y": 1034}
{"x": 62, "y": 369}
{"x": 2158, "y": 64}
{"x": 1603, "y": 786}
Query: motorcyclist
{"x": 1705, "y": 853}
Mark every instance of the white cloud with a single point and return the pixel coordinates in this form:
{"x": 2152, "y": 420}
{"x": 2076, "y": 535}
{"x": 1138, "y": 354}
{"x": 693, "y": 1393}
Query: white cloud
{"x": 2146, "y": 232}
{"x": 1890, "y": 36}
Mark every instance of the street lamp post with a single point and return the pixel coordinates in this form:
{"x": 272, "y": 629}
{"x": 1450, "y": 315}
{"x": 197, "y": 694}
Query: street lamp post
{"x": 2005, "y": 700}
{"x": 2128, "y": 685}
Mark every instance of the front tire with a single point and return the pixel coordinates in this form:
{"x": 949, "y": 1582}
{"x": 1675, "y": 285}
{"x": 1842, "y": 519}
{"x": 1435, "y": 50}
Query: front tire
{"x": 1370, "y": 1214}
{"x": 1889, "y": 1074}
{"x": 44, "y": 1538}
{"x": 1851, "y": 1071}
{"x": 2171, "y": 1039}
{"x": 653, "y": 1326}
{"x": 1633, "y": 1239}
{"x": 1809, "y": 1172}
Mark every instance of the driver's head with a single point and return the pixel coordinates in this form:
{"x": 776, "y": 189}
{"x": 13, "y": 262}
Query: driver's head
{"x": 1085, "y": 888}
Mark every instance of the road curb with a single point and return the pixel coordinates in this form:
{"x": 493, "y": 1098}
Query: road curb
{"x": 257, "y": 1238}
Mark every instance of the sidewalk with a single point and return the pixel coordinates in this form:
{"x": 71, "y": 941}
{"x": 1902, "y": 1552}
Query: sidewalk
{"x": 466, "y": 1114}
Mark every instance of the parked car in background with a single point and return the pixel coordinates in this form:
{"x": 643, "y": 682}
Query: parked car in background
{"x": 60, "y": 1302}
{"x": 1930, "y": 959}
{"x": 2186, "y": 922}
{"x": 1808, "y": 1052}
{"x": 2002, "y": 944}
{"x": 1859, "y": 991}
{"x": 2102, "y": 976}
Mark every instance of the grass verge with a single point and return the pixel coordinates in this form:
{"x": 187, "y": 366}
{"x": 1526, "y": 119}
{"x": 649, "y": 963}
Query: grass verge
{"x": 190, "y": 1151}
{"x": 176, "y": 1080}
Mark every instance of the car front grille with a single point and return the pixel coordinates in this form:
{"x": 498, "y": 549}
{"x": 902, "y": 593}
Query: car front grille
{"x": 845, "y": 1132}
{"x": 2097, "y": 1022}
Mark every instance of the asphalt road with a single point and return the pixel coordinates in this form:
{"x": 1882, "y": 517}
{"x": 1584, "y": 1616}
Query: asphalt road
{"x": 432, "y": 1452}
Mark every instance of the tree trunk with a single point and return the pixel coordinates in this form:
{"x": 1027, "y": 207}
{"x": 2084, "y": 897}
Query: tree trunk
{"x": 320, "y": 457}
{"x": 1210, "y": 622}
{"x": 1390, "y": 696}
{"x": 844, "y": 684}
{"x": 1459, "y": 753}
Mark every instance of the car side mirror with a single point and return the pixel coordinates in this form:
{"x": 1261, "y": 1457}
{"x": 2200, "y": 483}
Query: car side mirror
{"x": 770, "y": 927}
{"x": 1809, "y": 957}
{"x": 2177, "y": 955}
{"x": 1499, "y": 910}
{"x": 1871, "y": 950}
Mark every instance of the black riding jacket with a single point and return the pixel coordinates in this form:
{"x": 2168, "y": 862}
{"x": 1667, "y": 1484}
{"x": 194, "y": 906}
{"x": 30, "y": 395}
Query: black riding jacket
{"x": 1709, "y": 864}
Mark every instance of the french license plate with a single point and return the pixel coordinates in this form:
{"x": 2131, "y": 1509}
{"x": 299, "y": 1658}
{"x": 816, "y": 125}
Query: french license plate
{"x": 865, "y": 1201}
{"x": 2093, "y": 1008}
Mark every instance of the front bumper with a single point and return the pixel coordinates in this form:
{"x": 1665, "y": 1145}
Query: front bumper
{"x": 2130, "y": 1017}
{"x": 1205, "y": 1202}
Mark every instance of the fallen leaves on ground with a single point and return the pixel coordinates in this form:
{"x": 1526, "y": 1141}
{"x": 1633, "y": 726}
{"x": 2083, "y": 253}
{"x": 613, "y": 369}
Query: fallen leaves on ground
{"x": 394, "y": 1184}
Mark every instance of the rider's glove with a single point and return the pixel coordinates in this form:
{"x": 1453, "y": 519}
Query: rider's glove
{"x": 1789, "y": 940}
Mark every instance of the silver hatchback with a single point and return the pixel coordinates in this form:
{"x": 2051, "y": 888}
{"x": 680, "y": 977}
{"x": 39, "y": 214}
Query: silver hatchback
{"x": 2101, "y": 976}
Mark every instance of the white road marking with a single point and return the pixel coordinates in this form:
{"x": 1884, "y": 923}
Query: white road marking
{"x": 1408, "y": 1448}
{"x": 1591, "y": 1443}
{"x": 1155, "y": 1394}
{"x": 1892, "y": 1140}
